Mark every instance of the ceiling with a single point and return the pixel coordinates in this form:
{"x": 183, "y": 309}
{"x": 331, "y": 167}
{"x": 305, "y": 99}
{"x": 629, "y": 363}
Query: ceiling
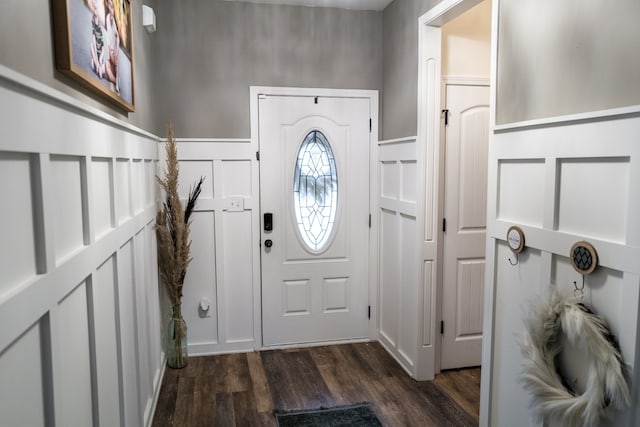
{"x": 342, "y": 4}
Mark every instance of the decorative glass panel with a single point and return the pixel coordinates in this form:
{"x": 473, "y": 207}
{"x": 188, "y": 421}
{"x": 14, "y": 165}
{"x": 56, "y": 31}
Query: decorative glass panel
{"x": 315, "y": 190}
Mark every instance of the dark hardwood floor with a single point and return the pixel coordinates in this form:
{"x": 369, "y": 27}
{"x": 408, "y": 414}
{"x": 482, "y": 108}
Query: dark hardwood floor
{"x": 243, "y": 389}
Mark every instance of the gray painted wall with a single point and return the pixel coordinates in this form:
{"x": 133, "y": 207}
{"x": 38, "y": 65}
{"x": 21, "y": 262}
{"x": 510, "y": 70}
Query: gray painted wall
{"x": 26, "y": 45}
{"x": 197, "y": 68}
{"x": 207, "y": 54}
{"x": 576, "y": 62}
{"x": 400, "y": 75}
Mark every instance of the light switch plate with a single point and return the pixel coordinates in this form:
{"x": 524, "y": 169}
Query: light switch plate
{"x": 236, "y": 204}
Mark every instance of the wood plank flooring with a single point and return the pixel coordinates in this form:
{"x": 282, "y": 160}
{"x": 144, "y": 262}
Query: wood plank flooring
{"x": 244, "y": 389}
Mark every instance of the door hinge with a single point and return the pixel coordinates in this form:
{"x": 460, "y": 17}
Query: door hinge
{"x": 370, "y": 125}
{"x": 446, "y": 116}
{"x": 444, "y": 225}
{"x": 257, "y": 155}
{"x": 442, "y": 327}
{"x": 315, "y": 100}
{"x": 369, "y": 220}
{"x": 369, "y": 313}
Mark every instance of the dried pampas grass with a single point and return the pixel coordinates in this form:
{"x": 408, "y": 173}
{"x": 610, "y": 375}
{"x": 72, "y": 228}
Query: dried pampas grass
{"x": 172, "y": 225}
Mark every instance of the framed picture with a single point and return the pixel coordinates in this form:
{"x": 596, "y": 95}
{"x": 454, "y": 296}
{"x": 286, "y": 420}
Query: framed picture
{"x": 94, "y": 46}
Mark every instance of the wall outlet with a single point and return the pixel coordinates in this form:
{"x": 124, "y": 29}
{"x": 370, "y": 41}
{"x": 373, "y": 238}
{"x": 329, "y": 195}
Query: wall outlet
{"x": 205, "y": 308}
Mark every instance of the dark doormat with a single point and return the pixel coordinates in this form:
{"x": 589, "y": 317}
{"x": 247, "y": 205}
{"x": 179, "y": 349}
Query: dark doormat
{"x": 359, "y": 415}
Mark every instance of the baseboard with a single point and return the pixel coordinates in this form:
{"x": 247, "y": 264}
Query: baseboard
{"x": 148, "y": 422}
{"x": 397, "y": 356}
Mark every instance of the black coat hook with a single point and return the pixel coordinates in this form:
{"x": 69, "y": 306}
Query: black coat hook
{"x": 578, "y": 292}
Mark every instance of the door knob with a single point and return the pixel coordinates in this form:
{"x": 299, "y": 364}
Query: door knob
{"x": 268, "y": 243}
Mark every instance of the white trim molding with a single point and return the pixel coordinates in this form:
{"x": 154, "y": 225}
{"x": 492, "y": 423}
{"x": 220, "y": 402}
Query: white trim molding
{"x": 20, "y": 82}
{"x": 610, "y": 114}
{"x": 430, "y": 165}
{"x": 397, "y": 140}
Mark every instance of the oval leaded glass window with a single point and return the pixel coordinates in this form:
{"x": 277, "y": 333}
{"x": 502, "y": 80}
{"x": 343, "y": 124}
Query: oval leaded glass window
{"x": 315, "y": 190}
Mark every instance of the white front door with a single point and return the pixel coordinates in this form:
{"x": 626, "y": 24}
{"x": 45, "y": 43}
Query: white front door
{"x": 467, "y": 136}
{"x": 314, "y": 197}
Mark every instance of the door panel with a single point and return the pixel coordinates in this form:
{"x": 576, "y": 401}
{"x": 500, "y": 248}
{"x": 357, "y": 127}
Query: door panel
{"x": 474, "y": 133}
{"x": 466, "y": 145}
{"x": 311, "y": 295}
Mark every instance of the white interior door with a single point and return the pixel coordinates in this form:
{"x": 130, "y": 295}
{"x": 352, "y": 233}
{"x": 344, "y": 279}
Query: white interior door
{"x": 314, "y": 182}
{"x": 467, "y": 135}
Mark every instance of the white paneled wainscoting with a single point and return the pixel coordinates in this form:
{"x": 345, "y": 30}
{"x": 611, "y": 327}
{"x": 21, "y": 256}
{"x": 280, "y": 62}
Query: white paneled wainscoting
{"x": 398, "y": 266}
{"x": 562, "y": 180}
{"x": 80, "y": 342}
{"x": 224, "y": 274}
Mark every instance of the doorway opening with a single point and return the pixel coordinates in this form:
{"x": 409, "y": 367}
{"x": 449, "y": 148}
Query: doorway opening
{"x": 444, "y": 74}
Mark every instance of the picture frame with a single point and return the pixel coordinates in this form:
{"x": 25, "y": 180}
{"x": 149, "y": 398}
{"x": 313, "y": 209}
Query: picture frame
{"x": 94, "y": 46}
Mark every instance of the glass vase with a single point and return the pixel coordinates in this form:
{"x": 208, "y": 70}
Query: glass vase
{"x": 176, "y": 339}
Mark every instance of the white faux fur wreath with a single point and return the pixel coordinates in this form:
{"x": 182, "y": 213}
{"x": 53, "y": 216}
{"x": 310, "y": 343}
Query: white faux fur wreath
{"x": 606, "y": 384}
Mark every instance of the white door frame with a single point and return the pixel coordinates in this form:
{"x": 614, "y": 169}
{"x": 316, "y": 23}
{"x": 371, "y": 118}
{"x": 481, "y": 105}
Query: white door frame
{"x": 430, "y": 167}
{"x": 372, "y": 95}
